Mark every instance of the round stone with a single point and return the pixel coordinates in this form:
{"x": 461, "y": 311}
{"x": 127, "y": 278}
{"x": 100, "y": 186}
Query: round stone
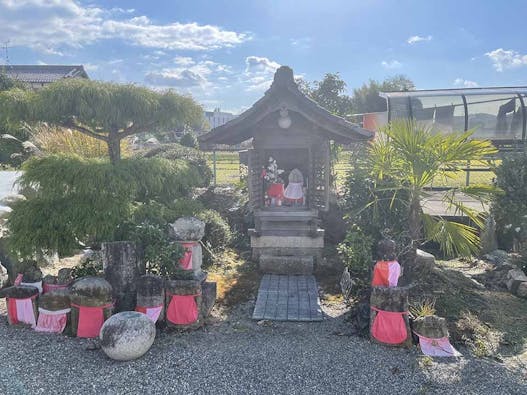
{"x": 127, "y": 335}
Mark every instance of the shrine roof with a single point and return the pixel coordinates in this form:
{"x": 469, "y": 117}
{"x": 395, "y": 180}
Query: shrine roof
{"x": 284, "y": 94}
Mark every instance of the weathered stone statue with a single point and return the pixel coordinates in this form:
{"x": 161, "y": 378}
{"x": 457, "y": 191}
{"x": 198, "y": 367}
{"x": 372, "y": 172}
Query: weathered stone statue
{"x": 122, "y": 267}
{"x": 190, "y": 299}
{"x": 91, "y": 305}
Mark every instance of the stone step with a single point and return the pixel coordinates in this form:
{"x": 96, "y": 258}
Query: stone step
{"x": 277, "y": 264}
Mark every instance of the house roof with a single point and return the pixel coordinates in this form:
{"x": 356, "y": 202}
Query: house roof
{"x": 43, "y": 73}
{"x": 284, "y": 92}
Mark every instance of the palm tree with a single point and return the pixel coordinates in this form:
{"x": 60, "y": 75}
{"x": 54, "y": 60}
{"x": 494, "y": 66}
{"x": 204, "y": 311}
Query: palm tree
{"x": 411, "y": 156}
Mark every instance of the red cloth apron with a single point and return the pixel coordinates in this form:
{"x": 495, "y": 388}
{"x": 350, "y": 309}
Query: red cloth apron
{"x": 21, "y": 311}
{"x": 389, "y": 327}
{"x": 186, "y": 260}
{"x": 151, "y": 312}
{"x": 52, "y": 321}
{"x": 52, "y": 287}
{"x": 90, "y": 320}
{"x": 182, "y": 309}
{"x": 276, "y": 191}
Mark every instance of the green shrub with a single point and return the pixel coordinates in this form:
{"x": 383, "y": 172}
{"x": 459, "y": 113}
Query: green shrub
{"x": 78, "y": 200}
{"x": 87, "y": 268}
{"x": 193, "y": 156}
{"x": 356, "y": 252}
{"x": 217, "y": 231}
{"x": 510, "y": 207}
{"x": 189, "y": 140}
{"x": 160, "y": 254}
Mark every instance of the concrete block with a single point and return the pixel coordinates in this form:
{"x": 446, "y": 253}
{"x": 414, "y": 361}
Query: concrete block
{"x": 276, "y": 264}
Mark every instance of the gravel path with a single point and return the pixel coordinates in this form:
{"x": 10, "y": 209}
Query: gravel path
{"x": 234, "y": 355}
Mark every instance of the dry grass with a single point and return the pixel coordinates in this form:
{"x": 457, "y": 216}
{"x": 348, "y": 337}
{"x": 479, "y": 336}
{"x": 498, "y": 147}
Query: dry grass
{"x": 236, "y": 276}
{"x": 489, "y": 322}
{"x": 55, "y": 140}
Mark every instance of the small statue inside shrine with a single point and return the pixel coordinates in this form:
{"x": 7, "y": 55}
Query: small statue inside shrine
{"x": 275, "y": 185}
{"x": 387, "y": 270}
{"x": 294, "y": 192}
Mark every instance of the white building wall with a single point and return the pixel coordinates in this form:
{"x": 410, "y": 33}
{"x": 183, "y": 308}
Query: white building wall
{"x": 217, "y": 118}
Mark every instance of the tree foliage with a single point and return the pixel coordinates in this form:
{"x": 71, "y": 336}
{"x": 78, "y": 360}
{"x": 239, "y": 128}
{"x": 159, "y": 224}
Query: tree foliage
{"x": 80, "y": 201}
{"x": 189, "y": 140}
{"x": 367, "y": 99}
{"x": 12, "y": 135}
{"x": 329, "y": 93}
{"x": 178, "y": 152}
{"x": 105, "y": 111}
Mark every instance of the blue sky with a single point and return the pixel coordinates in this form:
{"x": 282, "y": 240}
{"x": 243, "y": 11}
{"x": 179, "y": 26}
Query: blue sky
{"x": 224, "y": 53}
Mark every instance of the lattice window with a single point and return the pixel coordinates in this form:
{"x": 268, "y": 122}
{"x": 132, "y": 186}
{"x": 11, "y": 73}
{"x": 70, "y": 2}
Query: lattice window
{"x": 320, "y": 179}
{"x": 255, "y": 179}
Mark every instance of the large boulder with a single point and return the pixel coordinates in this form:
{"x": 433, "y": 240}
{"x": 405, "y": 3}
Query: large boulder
{"x": 515, "y": 278}
{"x": 127, "y": 335}
{"x": 522, "y": 290}
{"x": 424, "y": 260}
{"x": 431, "y": 326}
{"x": 488, "y": 237}
{"x": 497, "y": 257}
{"x": 187, "y": 229}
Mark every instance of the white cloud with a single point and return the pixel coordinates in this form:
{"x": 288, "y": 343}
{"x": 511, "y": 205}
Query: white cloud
{"x": 183, "y": 60}
{"x": 416, "y": 39}
{"x": 51, "y": 26}
{"x": 188, "y": 74}
{"x": 506, "y": 59}
{"x": 304, "y": 42}
{"x": 465, "y": 83}
{"x": 175, "y": 78}
{"x": 391, "y": 64}
{"x": 91, "y": 67}
{"x": 259, "y": 72}
{"x": 256, "y": 64}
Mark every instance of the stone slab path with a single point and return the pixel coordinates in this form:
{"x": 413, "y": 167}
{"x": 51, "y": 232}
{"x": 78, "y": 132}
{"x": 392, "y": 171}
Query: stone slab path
{"x": 288, "y": 298}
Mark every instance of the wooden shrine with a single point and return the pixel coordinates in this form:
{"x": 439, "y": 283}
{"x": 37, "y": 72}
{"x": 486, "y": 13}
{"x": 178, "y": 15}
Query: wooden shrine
{"x": 288, "y": 171}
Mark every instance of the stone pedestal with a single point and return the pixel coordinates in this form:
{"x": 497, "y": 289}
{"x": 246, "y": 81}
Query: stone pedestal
{"x": 431, "y": 326}
{"x": 208, "y": 297}
{"x": 287, "y": 240}
{"x": 189, "y": 231}
{"x": 190, "y": 288}
{"x": 55, "y": 303}
{"x": 90, "y": 292}
{"x": 151, "y": 293}
{"x": 122, "y": 268}
{"x": 287, "y": 254}
{"x": 20, "y": 292}
{"x": 394, "y": 300}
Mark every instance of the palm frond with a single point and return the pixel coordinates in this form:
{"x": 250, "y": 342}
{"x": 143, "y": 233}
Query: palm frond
{"x": 454, "y": 239}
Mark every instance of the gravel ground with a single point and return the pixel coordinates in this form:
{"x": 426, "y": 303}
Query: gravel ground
{"x": 234, "y": 355}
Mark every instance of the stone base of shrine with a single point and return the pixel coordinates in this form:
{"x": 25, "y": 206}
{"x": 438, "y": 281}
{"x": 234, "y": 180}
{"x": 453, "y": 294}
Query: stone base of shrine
{"x": 287, "y": 254}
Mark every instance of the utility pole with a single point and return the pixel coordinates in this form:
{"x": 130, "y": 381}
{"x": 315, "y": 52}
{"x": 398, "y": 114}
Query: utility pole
{"x": 6, "y": 52}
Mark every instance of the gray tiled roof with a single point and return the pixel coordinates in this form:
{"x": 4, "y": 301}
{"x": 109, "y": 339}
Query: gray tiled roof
{"x": 43, "y": 73}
